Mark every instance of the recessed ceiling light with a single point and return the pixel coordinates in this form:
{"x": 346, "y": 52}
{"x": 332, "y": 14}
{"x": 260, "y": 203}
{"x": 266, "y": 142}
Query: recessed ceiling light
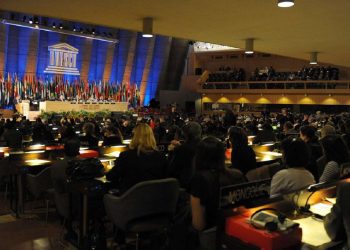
{"x": 147, "y": 28}
{"x": 249, "y": 46}
{"x": 285, "y": 3}
{"x": 313, "y": 58}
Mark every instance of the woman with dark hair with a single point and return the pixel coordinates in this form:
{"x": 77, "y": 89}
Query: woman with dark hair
{"x": 336, "y": 153}
{"x": 112, "y": 136}
{"x": 89, "y": 139}
{"x": 229, "y": 119}
{"x": 296, "y": 176}
{"x": 242, "y": 156}
{"x": 265, "y": 135}
{"x": 210, "y": 175}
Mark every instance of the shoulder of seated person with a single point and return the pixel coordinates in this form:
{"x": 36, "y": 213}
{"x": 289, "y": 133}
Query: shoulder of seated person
{"x": 232, "y": 171}
{"x": 282, "y": 172}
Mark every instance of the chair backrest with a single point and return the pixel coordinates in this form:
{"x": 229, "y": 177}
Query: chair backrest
{"x": 263, "y": 172}
{"x": 345, "y": 169}
{"x": 145, "y": 199}
{"x": 5, "y": 167}
{"x": 38, "y": 184}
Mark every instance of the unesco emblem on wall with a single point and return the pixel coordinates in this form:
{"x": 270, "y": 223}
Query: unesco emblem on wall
{"x": 63, "y": 60}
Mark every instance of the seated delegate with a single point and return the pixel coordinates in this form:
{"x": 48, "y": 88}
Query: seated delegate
{"x": 142, "y": 162}
{"x": 210, "y": 175}
{"x": 295, "y": 176}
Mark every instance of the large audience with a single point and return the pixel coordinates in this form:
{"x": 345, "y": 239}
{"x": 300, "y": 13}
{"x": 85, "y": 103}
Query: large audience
{"x": 195, "y": 153}
{"x": 228, "y": 74}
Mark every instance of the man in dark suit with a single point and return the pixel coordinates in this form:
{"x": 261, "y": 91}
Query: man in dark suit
{"x": 180, "y": 164}
{"x": 12, "y": 136}
{"x": 337, "y": 222}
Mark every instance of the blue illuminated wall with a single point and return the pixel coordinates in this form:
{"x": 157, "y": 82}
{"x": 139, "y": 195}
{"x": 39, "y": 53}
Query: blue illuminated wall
{"x": 91, "y": 60}
{"x": 156, "y": 67}
{"x": 142, "y": 47}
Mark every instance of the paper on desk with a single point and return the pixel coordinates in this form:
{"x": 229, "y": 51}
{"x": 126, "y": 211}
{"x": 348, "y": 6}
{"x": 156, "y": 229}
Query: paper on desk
{"x": 331, "y": 200}
{"x": 321, "y": 208}
{"x": 313, "y": 231}
{"x": 113, "y": 154}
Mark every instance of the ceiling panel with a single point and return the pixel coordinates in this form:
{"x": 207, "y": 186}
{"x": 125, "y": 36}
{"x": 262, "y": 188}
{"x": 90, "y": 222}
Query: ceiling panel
{"x": 311, "y": 25}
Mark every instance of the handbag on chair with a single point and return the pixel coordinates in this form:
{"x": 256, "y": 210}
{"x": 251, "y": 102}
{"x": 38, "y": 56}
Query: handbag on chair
{"x": 84, "y": 169}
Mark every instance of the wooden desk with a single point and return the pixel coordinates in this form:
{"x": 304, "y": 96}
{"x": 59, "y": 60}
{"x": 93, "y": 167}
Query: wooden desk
{"x": 314, "y": 234}
{"x": 22, "y": 167}
{"x": 262, "y": 157}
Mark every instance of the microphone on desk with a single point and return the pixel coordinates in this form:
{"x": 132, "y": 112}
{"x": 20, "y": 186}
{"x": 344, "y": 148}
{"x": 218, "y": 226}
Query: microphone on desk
{"x": 321, "y": 185}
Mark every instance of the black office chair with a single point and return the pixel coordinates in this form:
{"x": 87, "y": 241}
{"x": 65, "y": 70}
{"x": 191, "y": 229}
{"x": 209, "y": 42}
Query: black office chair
{"x": 40, "y": 186}
{"x": 146, "y": 207}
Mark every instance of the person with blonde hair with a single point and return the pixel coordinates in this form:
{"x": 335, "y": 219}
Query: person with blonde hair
{"x": 142, "y": 162}
{"x": 143, "y": 139}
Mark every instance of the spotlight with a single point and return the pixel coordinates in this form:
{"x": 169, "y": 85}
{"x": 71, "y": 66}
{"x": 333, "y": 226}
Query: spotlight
{"x": 313, "y": 58}
{"x": 93, "y": 31}
{"x": 285, "y": 3}
{"x": 43, "y": 26}
{"x": 61, "y": 27}
{"x": 147, "y": 28}
{"x": 36, "y": 20}
{"x": 74, "y": 29}
{"x": 249, "y": 46}
{"x": 31, "y": 21}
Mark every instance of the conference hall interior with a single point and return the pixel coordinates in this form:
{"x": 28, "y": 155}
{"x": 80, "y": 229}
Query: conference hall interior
{"x": 174, "y": 125}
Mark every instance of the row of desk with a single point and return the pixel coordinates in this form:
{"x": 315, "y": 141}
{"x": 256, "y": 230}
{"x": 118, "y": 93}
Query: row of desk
{"x": 306, "y": 207}
{"x": 37, "y": 157}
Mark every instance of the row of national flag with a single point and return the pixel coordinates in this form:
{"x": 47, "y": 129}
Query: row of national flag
{"x": 14, "y": 88}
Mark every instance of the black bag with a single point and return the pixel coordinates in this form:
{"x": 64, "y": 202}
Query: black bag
{"x": 84, "y": 169}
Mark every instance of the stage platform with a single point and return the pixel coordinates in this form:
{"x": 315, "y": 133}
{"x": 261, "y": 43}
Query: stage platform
{"x": 65, "y": 106}
{"x": 57, "y": 106}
